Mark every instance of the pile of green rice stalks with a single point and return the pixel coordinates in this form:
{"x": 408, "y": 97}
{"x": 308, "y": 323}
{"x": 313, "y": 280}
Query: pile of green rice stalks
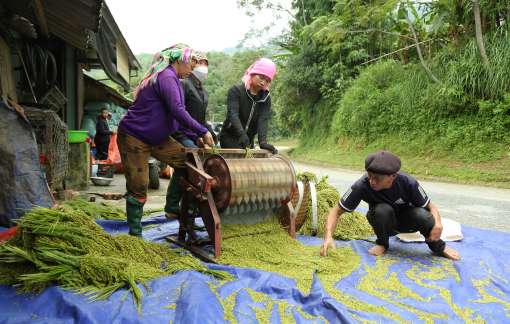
{"x": 103, "y": 212}
{"x": 68, "y": 248}
{"x": 351, "y": 226}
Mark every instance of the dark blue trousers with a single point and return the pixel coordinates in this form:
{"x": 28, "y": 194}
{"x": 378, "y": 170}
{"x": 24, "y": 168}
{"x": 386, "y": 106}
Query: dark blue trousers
{"x": 386, "y": 222}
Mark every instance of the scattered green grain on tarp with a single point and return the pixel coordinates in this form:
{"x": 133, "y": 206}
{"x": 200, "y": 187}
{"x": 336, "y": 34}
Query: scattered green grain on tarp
{"x": 283, "y": 306}
{"x": 277, "y": 252}
{"x": 380, "y": 282}
{"x": 263, "y": 312}
{"x": 433, "y": 269}
{"x": 351, "y": 226}
{"x": 67, "y": 247}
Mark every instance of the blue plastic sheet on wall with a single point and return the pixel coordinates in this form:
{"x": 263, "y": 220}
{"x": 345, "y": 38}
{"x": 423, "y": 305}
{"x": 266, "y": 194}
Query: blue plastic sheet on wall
{"x": 482, "y": 290}
{"x": 23, "y": 183}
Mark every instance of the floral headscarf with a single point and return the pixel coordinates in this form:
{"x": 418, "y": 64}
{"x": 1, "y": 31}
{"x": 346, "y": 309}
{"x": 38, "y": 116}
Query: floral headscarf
{"x": 162, "y": 60}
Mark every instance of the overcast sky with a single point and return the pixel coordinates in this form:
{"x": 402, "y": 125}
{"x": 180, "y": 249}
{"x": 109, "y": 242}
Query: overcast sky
{"x": 152, "y": 25}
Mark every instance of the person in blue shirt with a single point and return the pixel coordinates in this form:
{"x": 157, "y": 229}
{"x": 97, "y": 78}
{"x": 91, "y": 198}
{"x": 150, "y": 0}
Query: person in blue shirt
{"x": 397, "y": 204}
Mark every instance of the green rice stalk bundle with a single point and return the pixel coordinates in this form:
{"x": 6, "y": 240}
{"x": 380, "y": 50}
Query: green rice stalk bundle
{"x": 150, "y": 211}
{"x": 249, "y": 154}
{"x": 151, "y": 226}
{"x": 351, "y": 226}
{"x": 103, "y": 212}
{"x": 67, "y": 247}
{"x": 306, "y": 177}
{"x": 214, "y": 149}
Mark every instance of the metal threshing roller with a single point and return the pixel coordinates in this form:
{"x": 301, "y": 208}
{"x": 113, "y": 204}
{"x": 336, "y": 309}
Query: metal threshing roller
{"x": 228, "y": 188}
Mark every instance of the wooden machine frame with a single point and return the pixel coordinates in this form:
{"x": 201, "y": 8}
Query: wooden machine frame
{"x": 198, "y": 190}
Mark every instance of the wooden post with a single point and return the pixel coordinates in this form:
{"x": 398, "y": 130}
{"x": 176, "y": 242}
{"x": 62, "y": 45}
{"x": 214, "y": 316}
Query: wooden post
{"x": 49, "y": 147}
{"x": 39, "y": 13}
{"x": 7, "y": 82}
{"x": 77, "y": 98}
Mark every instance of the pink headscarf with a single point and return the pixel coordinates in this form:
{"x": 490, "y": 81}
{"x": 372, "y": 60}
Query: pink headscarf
{"x": 263, "y": 66}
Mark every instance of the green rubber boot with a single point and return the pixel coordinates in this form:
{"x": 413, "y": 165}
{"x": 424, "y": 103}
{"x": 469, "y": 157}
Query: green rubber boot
{"x": 174, "y": 195}
{"x": 134, "y": 211}
{"x": 195, "y": 225}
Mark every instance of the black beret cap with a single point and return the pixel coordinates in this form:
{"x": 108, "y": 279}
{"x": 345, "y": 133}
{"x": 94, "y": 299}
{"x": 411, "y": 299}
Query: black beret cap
{"x": 382, "y": 162}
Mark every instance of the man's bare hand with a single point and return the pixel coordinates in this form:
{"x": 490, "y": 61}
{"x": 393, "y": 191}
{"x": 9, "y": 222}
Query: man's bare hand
{"x": 208, "y": 139}
{"x": 327, "y": 243}
{"x": 435, "y": 233}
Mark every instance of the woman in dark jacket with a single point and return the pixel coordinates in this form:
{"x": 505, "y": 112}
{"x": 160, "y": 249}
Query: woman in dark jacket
{"x": 248, "y": 108}
{"x": 196, "y": 99}
{"x": 103, "y": 133}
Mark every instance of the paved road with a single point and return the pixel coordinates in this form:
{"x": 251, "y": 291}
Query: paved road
{"x": 476, "y": 206}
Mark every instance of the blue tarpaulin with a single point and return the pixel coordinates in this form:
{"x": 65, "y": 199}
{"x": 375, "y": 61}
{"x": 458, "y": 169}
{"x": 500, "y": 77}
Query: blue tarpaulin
{"x": 23, "y": 183}
{"x": 408, "y": 280}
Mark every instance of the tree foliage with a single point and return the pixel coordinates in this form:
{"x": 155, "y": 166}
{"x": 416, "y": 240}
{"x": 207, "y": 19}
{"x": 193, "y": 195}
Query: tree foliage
{"x": 331, "y": 81}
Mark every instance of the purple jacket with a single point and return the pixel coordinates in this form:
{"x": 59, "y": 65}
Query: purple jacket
{"x": 159, "y": 111}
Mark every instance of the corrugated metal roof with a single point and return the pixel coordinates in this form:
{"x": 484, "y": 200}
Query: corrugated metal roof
{"x": 16, "y": 22}
{"x": 66, "y": 19}
{"x": 120, "y": 100}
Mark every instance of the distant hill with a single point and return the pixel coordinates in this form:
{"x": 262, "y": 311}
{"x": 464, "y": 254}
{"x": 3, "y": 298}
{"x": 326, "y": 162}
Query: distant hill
{"x": 230, "y": 50}
{"x": 145, "y": 60}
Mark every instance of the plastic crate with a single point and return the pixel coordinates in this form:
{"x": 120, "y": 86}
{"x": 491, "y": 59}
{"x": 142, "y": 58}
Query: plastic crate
{"x": 105, "y": 167}
{"x": 105, "y": 174}
{"x": 54, "y": 98}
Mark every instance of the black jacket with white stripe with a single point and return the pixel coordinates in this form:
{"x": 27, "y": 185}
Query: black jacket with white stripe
{"x": 405, "y": 192}
{"x": 248, "y": 112}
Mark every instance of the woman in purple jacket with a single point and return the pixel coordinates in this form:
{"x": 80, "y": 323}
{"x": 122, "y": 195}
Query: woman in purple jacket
{"x": 157, "y": 112}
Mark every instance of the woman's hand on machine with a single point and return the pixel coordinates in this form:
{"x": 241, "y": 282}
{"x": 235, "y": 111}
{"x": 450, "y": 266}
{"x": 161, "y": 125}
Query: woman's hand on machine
{"x": 266, "y": 146}
{"x": 200, "y": 143}
{"x": 208, "y": 139}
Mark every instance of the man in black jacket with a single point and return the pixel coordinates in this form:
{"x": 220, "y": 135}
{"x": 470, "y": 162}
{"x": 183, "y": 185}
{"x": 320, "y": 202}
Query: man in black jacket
{"x": 103, "y": 133}
{"x": 248, "y": 107}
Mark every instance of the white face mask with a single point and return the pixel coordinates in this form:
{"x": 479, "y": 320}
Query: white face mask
{"x": 200, "y": 72}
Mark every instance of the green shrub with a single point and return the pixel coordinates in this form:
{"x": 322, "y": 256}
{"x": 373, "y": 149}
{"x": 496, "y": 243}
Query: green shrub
{"x": 466, "y": 117}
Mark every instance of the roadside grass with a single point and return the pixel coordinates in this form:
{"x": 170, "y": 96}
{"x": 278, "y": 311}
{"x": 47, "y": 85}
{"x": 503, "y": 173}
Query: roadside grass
{"x": 489, "y": 174}
{"x": 287, "y": 142}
